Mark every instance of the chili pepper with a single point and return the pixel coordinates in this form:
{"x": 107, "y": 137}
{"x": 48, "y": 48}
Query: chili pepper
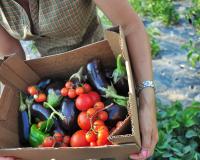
{"x": 36, "y": 137}
{"x": 23, "y": 118}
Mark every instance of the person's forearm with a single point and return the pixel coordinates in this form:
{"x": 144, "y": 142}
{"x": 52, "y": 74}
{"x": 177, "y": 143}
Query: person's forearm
{"x": 139, "y": 50}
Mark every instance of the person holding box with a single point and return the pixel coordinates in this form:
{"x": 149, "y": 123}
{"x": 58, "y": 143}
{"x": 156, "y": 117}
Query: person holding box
{"x": 63, "y": 25}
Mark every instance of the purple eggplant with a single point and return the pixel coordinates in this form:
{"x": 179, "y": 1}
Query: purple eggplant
{"x": 57, "y": 127}
{"x": 108, "y": 74}
{"x": 56, "y": 85}
{"x": 44, "y": 83}
{"x": 38, "y": 111}
{"x": 70, "y": 112}
{"x": 116, "y": 113}
{"x": 95, "y": 75}
{"x": 122, "y": 86}
{"x": 23, "y": 122}
{"x": 24, "y": 128}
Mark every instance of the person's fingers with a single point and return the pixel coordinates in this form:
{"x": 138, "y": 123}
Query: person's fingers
{"x": 6, "y": 158}
{"x": 136, "y": 156}
{"x": 155, "y": 138}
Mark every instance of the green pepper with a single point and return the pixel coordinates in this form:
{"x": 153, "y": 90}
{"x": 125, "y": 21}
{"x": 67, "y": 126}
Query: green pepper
{"x": 53, "y": 99}
{"x": 120, "y": 71}
{"x": 36, "y": 137}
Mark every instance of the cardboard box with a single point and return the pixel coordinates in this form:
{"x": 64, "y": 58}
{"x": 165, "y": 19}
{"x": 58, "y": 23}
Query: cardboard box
{"x": 18, "y": 74}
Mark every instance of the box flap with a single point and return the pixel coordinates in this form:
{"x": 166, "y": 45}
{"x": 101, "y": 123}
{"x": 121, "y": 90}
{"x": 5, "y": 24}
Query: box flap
{"x": 118, "y": 45}
{"x": 5, "y": 102}
{"x": 14, "y": 72}
{"x": 60, "y": 64}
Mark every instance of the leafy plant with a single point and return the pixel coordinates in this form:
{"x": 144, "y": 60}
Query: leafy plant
{"x": 163, "y": 10}
{"x": 193, "y": 54}
{"x": 193, "y": 14}
{"x": 179, "y": 132}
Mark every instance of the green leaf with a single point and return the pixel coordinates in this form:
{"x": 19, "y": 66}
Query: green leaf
{"x": 190, "y": 134}
{"x": 172, "y": 158}
{"x": 187, "y": 149}
{"x": 43, "y": 126}
{"x": 171, "y": 112}
{"x": 172, "y": 125}
{"x": 167, "y": 155}
{"x": 189, "y": 122}
{"x": 195, "y": 104}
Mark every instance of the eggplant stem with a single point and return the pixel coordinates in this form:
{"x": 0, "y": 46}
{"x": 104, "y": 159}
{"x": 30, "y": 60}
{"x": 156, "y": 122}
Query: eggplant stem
{"x": 111, "y": 93}
{"x": 22, "y": 104}
{"x": 78, "y": 75}
{"x": 56, "y": 112}
{"x": 50, "y": 117}
{"x": 29, "y": 102}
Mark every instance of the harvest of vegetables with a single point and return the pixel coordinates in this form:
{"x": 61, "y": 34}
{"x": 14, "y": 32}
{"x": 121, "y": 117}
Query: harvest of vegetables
{"x": 80, "y": 111}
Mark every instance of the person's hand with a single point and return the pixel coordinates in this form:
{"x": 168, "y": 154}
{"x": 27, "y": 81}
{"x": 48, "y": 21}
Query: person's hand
{"x": 7, "y": 158}
{"x": 148, "y": 124}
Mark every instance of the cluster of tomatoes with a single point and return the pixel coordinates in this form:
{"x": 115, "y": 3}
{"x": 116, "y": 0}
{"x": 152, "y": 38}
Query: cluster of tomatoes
{"x": 57, "y": 139}
{"x": 38, "y": 96}
{"x": 91, "y": 119}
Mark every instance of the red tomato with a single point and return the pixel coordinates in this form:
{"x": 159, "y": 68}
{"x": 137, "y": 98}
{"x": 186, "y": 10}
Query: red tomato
{"x": 32, "y": 90}
{"x": 103, "y": 115}
{"x": 87, "y": 87}
{"x": 79, "y": 90}
{"x": 69, "y": 84}
{"x": 102, "y": 137}
{"x": 84, "y": 102}
{"x": 64, "y": 92}
{"x": 97, "y": 124}
{"x": 66, "y": 140}
{"x": 58, "y": 137}
{"x": 41, "y": 97}
{"x": 78, "y": 139}
{"x": 95, "y": 97}
{"x": 109, "y": 143}
{"x": 91, "y": 136}
{"x": 103, "y": 128}
{"x": 93, "y": 144}
{"x": 99, "y": 106}
{"x": 49, "y": 142}
{"x": 72, "y": 93}
{"x": 119, "y": 124}
{"x": 84, "y": 121}
{"x": 91, "y": 112}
